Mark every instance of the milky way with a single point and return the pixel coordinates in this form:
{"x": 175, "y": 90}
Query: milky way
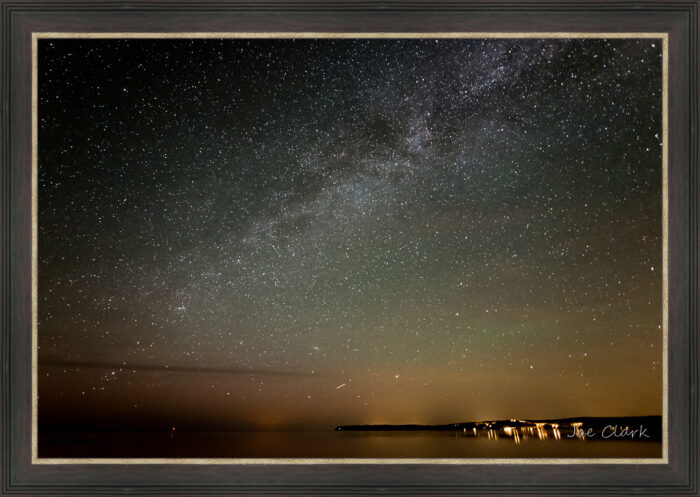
{"x": 305, "y": 233}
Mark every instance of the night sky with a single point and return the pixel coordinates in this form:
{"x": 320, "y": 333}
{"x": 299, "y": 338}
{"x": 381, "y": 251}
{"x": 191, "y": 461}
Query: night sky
{"x": 297, "y": 234}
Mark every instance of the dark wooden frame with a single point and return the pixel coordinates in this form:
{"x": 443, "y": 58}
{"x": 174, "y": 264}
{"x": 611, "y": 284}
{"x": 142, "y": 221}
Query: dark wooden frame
{"x": 21, "y": 18}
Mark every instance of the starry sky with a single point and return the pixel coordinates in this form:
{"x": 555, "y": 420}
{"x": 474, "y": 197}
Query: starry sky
{"x": 297, "y": 234}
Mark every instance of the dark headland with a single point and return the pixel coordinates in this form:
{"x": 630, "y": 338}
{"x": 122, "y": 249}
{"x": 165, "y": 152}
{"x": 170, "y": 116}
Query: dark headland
{"x": 625, "y": 427}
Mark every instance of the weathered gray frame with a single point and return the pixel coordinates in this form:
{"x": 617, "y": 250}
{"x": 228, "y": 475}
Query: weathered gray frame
{"x": 22, "y": 18}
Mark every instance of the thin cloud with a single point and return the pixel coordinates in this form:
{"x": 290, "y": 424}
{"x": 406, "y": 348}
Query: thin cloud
{"x": 70, "y": 364}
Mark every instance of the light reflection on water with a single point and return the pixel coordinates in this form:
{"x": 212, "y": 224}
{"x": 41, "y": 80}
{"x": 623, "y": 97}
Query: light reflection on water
{"x": 538, "y": 431}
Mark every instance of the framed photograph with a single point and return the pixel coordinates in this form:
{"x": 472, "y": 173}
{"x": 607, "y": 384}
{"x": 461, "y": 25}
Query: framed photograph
{"x": 349, "y": 248}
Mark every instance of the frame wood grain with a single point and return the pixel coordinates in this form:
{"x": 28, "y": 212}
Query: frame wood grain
{"x": 19, "y": 19}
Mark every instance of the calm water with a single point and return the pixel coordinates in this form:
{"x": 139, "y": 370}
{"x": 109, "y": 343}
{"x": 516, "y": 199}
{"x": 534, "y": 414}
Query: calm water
{"x": 235, "y": 444}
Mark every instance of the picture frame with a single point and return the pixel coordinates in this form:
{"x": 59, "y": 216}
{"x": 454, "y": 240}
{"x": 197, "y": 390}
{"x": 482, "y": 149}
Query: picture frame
{"x": 21, "y": 19}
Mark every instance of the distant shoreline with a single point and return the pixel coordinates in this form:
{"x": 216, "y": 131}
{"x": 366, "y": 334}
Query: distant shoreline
{"x": 614, "y": 427}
